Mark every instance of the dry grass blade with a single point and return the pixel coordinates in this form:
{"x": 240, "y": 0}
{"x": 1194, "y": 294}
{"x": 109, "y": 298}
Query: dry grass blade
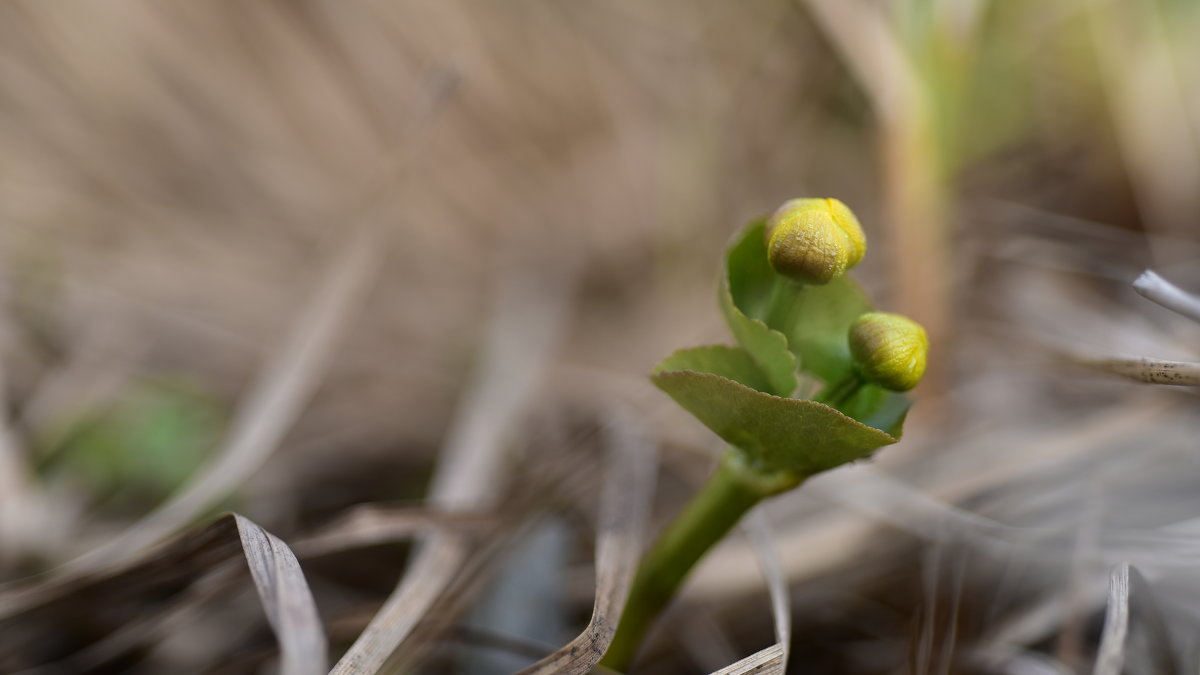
{"x": 773, "y": 659}
{"x": 286, "y": 599}
{"x": 1110, "y": 659}
{"x": 624, "y": 511}
{"x": 1134, "y": 629}
{"x": 528, "y": 318}
{"x": 770, "y": 661}
{"x": 1150, "y": 371}
{"x": 1154, "y": 651}
{"x": 372, "y": 525}
{"x": 1158, "y": 290}
{"x": 1025, "y": 664}
{"x": 758, "y": 529}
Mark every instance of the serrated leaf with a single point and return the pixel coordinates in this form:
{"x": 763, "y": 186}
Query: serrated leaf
{"x": 746, "y": 292}
{"x": 783, "y": 434}
{"x": 734, "y": 363}
{"x": 761, "y": 307}
{"x": 750, "y": 280}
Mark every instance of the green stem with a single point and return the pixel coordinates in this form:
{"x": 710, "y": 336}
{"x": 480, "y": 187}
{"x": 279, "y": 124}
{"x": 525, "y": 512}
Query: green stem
{"x": 731, "y": 491}
{"x": 836, "y": 394}
{"x": 780, "y": 312}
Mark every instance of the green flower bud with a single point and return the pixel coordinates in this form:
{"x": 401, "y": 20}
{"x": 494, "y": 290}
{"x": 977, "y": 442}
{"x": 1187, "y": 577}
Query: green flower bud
{"x": 889, "y": 349}
{"x": 814, "y": 240}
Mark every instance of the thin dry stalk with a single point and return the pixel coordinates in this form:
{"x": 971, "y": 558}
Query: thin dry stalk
{"x": 1150, "y": 371}
{"x": 770, "y": 661}
{"x": 1157, "y": 289}
{"x": 1111, "y": 657}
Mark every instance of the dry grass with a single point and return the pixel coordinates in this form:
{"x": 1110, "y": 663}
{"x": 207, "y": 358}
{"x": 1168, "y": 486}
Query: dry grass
{"x": 417, "y": 254}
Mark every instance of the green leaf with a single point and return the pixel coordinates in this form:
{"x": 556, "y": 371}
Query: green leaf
{"x": 747, "y": 290}
{"x": 781, "y": 434}
{"x": 733, "y": 363}
{"x": 817, "y": 322}
{"x": 142, "y": 446}
{"x": 772, "y": 316}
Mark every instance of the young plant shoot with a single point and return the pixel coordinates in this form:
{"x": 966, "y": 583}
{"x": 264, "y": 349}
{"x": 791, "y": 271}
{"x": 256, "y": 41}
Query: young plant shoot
{"x": 797, "y": 320}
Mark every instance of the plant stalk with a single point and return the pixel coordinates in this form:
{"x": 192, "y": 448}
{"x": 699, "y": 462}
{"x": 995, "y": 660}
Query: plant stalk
{"x": 781, "y": 305}
{"x": 837, "y": 393}
{"x": 731, "y": 491}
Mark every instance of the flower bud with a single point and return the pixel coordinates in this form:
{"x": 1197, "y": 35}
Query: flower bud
{"x": 814, "y": 240}
{"x": 889, "y": 349}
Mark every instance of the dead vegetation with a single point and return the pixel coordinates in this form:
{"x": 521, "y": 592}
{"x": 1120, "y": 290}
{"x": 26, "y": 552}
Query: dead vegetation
{"x": 403, "y": 268}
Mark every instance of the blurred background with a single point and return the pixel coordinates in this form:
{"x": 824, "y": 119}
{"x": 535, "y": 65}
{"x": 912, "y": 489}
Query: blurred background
{"x": 262, "y": 257}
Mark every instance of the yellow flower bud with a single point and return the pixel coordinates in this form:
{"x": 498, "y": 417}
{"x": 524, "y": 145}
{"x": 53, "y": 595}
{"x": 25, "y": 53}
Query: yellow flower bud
{"x": 814, "y": 240}
{"x": 889, "y": 349}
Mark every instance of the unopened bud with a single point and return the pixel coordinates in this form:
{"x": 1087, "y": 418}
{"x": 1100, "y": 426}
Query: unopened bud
{"x": 889, "y": 349}
{"x": 814, "y": 240}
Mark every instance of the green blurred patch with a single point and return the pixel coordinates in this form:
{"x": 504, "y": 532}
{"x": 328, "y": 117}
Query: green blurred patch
{"x": 139, "y": 448}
